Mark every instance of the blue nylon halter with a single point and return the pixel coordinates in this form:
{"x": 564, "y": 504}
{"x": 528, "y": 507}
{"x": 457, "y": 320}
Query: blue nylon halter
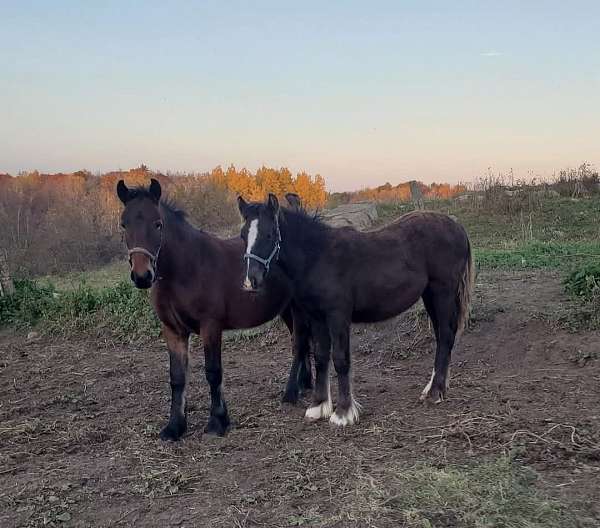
{"x": 274, "y": 254}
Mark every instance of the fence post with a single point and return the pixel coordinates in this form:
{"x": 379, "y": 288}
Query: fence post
{"x": 6, "y": 284}
{"x": 416, "y": 195}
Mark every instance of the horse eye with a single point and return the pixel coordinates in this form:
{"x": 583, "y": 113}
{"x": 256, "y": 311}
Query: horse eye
{"x": 122, "y": 225}
{"x": 158, "y": 224}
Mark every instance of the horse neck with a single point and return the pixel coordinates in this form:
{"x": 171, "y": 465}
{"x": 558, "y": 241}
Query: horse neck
{"x": 301, "y": 238}
{"x": 181, "y": 241}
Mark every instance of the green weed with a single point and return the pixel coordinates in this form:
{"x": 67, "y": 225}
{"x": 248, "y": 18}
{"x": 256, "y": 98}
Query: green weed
{"x": 538, "y": 254}
{"x": 120, "y": 310}
{"x": 584, "y": 281}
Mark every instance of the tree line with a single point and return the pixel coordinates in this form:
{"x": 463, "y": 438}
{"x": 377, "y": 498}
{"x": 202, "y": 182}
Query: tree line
{"x": 403, "y": 192}
{"x": 69, "y": 221}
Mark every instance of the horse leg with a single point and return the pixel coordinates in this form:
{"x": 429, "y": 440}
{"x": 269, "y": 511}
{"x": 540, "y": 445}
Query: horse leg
{"x": 178, "y": 346}
{"x": 302, "y": 335}
{"x": 442, "y": 309}
{"x": 347, "y": 410}
{"x": 297, "y": 379}
{"x": 218, "y": 421}
{"x": 321, "y": 405}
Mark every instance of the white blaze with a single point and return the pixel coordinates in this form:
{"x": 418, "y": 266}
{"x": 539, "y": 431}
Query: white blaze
{"x": 252, "y": 234}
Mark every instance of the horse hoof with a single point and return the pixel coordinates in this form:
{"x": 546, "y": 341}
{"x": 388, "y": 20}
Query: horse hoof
{"x": 217, "y": 426}
{"x": 348, "y": 417}
{"x": 341, "y": 421}
{"x": 323, "y": 410}
{"x": 433, "y": 396}
{"x": 173, "y": 432}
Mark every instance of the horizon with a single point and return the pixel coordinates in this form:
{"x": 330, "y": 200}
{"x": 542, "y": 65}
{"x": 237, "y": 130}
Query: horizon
{"x": 508, "y": 179}
{"x": 360, "y": 95}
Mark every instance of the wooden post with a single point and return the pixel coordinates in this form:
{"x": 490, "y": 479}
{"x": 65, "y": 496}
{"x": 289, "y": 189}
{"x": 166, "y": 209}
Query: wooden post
{"x": 416, "y": 195}
{"x": 6, "y": 284}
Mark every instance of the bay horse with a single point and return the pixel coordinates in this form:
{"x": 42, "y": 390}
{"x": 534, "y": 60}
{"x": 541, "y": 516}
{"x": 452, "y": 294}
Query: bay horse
{"x": 342, "y": 276}
{"x": 195, "y": 280}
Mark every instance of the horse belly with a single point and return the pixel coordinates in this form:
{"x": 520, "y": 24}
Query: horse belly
{"x": 255, "y": 309}
{"x": 387, "y": 301}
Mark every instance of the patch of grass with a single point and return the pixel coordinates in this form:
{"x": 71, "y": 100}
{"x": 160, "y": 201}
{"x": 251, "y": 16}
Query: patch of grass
{"x": 538, "y": 254}
{"x": 30, "y": 302}
{"x": 109, "y": 275}
{"x": 554, "y": 232}
{"x": 557, "y": 220}
{"x": 120, "y": 310}
{"x": 486, "y": 495}
{"x": 583, "y": 283}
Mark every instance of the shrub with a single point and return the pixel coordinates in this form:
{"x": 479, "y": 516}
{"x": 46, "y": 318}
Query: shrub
{"x": 30, "y": 303}
{"x": 584, "y": 282}
{"x": 121, "y": 311}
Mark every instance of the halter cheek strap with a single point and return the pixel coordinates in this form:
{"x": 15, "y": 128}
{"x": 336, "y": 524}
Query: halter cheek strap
{"x": 274, "y": 254}
{"x": 265, "y": 262}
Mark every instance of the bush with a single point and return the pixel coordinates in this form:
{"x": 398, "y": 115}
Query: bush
{"x": 584, "y": 282}
{"x": 121, "y": 311}
{"x": 30, "y": 303}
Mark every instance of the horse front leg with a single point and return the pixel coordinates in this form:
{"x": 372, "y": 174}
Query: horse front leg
{"x": 218, "y": 421}
{"x": 321, "y": 402}
{"x": 178, "y": 345}
{"x": 347, "y": 409}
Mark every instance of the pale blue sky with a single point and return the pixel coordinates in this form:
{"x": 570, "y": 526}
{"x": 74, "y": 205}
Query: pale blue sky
{"x": 361, "y": 92}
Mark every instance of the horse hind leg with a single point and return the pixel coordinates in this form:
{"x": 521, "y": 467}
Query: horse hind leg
{"x": 300, "y": 377}
{"x": 441, "y": 306}
{"x": 305, "y": 379}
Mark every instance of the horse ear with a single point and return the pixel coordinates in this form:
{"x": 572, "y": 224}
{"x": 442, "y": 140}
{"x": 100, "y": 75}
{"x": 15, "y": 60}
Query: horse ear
{"x": 273, "y": 203}
{"x": 155, "y": 190}
{"x": 122, "y": 191}
{"x": 294, "y": 200}
{"x": 242, "y": 206}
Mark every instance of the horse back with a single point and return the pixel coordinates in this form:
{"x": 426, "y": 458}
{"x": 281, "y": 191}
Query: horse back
{"x": 383, "y": 272}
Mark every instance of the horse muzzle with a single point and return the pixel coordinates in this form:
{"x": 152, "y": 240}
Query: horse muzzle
{"x": 143, "y": 281}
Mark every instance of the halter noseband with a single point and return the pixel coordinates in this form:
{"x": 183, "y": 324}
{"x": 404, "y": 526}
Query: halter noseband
{"x": 274, "y": 254}
{"x": 153, "y": 257}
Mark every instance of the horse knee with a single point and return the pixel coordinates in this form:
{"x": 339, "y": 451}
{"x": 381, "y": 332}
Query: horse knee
{"x": 214, "y": 376}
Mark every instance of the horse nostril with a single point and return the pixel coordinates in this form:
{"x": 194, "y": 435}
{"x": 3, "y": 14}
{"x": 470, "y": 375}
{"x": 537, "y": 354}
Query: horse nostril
{"x": 149, "y": 276}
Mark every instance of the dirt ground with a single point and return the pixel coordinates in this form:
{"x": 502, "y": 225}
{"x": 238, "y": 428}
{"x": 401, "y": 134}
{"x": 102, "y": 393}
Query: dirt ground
{"x": 79, "y": 422}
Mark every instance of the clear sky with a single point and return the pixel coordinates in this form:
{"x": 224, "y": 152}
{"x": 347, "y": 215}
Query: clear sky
{"x": 362, "y": 92}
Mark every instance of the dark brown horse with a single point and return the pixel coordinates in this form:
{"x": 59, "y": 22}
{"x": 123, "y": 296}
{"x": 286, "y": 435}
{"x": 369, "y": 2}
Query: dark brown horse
{"x": 196, "y": 288}
{"x": 342, "y": 276}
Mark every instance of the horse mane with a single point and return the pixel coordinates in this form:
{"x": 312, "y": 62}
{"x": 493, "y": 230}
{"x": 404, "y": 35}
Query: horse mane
{"x": 308, "y": 230}
{"x": 167, "y": 204}
{"x": 299, "y": 218}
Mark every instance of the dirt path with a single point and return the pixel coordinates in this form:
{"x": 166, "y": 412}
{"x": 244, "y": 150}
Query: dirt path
{"x": 79, "y": 423}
